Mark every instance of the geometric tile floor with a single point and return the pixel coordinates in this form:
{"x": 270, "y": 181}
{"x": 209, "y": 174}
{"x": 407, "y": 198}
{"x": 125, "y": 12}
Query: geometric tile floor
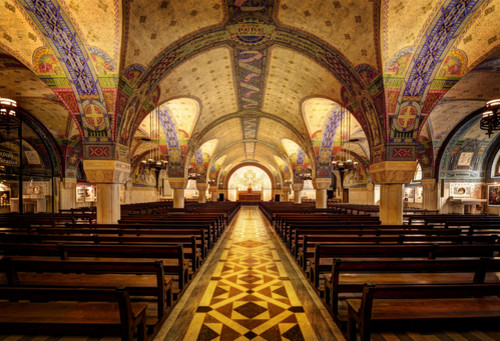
{"x": 249, "y": 296}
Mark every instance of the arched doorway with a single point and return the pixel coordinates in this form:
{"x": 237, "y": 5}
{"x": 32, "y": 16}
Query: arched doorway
{"x": 250, "y": 179}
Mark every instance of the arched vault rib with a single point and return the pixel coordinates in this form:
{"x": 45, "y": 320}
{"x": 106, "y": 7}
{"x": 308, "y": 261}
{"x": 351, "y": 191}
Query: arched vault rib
{"x": 300, "y": 42}
{"x": 273, "y": 147}
{"x": 304, "y": 141}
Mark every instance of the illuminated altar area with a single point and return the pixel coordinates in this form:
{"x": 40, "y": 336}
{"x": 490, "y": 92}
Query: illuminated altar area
{"x": 249, "y": 183}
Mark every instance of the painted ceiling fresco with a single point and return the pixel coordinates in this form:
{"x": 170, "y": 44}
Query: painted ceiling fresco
{"x": 256, "y": 80}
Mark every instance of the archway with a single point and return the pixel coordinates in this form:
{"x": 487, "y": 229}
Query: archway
{"x": 250, "y": 179}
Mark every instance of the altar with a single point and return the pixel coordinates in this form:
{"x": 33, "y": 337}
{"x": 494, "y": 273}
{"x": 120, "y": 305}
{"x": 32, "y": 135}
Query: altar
{"x": 466, "y": 205}
{"x": 249, "y": 196}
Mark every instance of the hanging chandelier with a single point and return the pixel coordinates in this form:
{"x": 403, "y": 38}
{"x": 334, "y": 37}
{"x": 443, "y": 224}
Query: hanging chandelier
{"x": 156, "y": 158}
{"x": 490, "y": 120}
{"x": 344, "y": 162}
{"x": 8, "y": 107}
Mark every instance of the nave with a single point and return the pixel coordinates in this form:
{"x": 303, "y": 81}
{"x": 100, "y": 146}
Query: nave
{"x": 251, "y": 289}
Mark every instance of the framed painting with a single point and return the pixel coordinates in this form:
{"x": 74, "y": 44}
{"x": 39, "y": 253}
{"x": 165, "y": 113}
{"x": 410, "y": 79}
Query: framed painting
{"x": 493, "y": 195}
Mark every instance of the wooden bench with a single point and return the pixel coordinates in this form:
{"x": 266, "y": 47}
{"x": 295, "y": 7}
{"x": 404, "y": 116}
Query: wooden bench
{"x": 192, "y": 248}
{"x": 140, "y": 278}
{"x": 324, "y": 254}
{"x": 309, "y": 242}
{"x": 349, "y": 276}
{"x": 384, "y": 303}
{"x": 69, "y": 311}
{"x": 171, "y": 256}
{"x": 299, "y": 234}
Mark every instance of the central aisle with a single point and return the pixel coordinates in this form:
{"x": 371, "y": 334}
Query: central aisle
{"x": 251, "y": 292}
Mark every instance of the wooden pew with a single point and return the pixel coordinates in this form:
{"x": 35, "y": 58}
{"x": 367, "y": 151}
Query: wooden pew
{"x": 421, "y": 303}
{"x": 299, "y": 234}
{"x": 172, "y": 256}
{"x": 309, "y": 242}
{"x": 191, "y": 248}
{"x": 349, "y": 276}
{"x": 137, "y": 230}
{"x": 69, "y": 311}
{"x": 324, "y": 254}
{"x": 140, "y": 278}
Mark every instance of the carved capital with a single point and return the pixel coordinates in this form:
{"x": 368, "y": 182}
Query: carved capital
{"x": 177, "y": 183}
{"x": 213, "y": 188}
{"x": 393, "y": 172}
{"x": 321, "y": 183}
{"x": 201, "y": 186}
{"x": 69, "y": 183}
{"x": 106, "y": 171}
{"x": 429, "y": 184}
{"x": 298, "y": 187}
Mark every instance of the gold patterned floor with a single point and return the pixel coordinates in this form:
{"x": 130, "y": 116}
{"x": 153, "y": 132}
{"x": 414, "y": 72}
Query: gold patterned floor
{"x": 250, "y": 294}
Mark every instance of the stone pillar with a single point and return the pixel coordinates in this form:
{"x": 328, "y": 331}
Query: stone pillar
{"x": 286, "y": 193}
{"x": 109, "y": 175}
{"x": 202, "y": 192}
{"x": 321, "y": 185}
{"x": 297, "y": 193}
{"x": 178, "y": 185}
{"x": 67, "y": 193}
{"x": 213, "y": 193}
{"x": 391, "y": 175}
{"x": 430, "y": 194}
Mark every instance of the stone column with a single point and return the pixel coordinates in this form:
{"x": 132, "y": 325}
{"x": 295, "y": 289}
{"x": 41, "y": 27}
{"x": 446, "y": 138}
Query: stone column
{"x": 286, "y": 192}
{"x": 67, "y": 193}
{"x": 109, "y": 175}
{"x": 430, "y": 194}
{"x": 321, "y": 185}
{"x": 391, "y": 175}
{"x": 178, "y": 185}
{"x": 202, "y": 192}
{"x": 213, "y": 193}
{"x": 297, "y": 193}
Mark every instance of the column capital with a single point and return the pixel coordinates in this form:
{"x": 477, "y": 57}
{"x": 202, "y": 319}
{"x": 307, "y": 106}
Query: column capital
{"x": 393, "y": 172}
{"x": 201, "y": 186}
{"x": 429, "y": 184}
{"x": 298, "y": 187}
{"x": 177, "y": 183}
{"x": 321, "y": 183}
{"x": 69, "y": 183}
{"x": 106, "y": 171}
{"x": 213, "y": 188}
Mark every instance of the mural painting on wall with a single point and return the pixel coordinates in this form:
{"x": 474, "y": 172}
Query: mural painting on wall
{"x": 493, "y": 195}
{"x": 355, "y": 178}
{"x": 144, "y": 176}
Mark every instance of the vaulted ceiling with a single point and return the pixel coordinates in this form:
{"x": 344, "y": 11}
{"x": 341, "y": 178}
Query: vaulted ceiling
{"x": 249, "y": 74}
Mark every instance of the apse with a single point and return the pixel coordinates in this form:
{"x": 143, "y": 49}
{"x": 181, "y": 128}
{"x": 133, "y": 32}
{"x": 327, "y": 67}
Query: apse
{"x": 250, "y": 179}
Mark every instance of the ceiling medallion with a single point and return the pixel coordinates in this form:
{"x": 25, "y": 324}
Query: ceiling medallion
{"x": 250, "y": 32}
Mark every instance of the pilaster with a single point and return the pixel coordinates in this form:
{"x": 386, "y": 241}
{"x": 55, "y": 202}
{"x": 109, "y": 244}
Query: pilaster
{"x": 67, "y": 193}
